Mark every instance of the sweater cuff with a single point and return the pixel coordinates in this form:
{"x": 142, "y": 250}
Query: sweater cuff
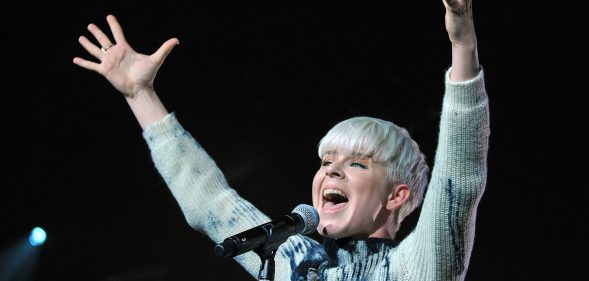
{"x": 165, "y": 129}
{"x": 465, "y": 94}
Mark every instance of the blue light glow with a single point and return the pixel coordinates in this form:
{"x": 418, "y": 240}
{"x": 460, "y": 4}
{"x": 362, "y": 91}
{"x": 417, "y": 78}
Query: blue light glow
{"x": 37, "y": 237}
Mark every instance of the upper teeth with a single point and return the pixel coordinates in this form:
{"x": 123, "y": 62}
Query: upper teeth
{"x": 333, "y": 191}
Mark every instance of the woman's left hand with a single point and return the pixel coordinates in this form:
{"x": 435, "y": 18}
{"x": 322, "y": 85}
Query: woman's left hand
{"x": 459, "y": 22}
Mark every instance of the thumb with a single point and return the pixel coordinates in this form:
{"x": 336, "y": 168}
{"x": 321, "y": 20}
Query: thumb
{"x": 160, "y": 55}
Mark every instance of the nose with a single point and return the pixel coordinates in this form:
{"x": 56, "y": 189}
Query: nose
{"x": 334, "y": 170}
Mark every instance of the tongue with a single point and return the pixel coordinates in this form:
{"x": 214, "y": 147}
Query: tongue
{"x": 328, "y": 204}
{"x": 331, "y": 205}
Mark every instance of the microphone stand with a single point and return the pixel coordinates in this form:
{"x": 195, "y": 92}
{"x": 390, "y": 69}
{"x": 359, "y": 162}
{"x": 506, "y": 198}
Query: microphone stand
{"x": 266, "y": 255}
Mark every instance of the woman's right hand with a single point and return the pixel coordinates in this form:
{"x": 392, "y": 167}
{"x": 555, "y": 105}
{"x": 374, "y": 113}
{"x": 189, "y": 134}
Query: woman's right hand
{"x": 128, "y": 71}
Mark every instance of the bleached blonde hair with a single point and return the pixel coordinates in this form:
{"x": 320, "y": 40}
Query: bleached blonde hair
{"x": 385, "y": 143}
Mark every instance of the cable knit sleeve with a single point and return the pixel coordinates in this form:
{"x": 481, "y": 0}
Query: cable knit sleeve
{"x": 439, "y": 248}
{"x": 207, "y": 202}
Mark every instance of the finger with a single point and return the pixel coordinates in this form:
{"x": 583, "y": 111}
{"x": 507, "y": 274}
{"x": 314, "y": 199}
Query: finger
{"x": 161, "y": 54}
{"x": 99, "y": 35}
{"x": 450, "y": 4}
{"x": 458, "y": 6}
{"x": 86, "y": 64}
{"x": 90, "y": 47}
{"x": 115, "y": 28}
{"x": 455, "y": 4}
{"x": 446, "y": 4}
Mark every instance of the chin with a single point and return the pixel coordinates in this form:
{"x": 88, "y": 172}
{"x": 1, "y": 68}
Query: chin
{"x": 331, "y": 230}
{"x": 334, "y": 223}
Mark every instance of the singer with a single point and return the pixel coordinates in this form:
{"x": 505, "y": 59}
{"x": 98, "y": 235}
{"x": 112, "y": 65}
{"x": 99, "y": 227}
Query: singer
{"x": 372, "y": 174}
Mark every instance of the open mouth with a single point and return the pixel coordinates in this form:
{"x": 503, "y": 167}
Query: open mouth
{"x": 333, "y": 198}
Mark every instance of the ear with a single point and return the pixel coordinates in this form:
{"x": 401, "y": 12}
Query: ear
{"x": 398, "y": 197}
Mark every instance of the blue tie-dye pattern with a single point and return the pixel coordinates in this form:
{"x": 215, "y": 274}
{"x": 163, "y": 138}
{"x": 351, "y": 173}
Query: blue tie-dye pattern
{"x": 363, "y": 259}
{"x": 232, "y": 222}
{"x": 213, "y": 222}
{"x": 312, "y": 259}
{"x": 386, "y": 268}
{"x": 456, "y": 229}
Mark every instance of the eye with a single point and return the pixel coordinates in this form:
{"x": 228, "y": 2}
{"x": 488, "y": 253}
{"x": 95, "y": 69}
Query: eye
{"x": 326, "y": 162}
{"x": 358, "y": 165}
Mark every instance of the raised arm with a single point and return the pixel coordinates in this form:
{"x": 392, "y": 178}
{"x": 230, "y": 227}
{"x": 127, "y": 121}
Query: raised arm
{"x": 460, "y": 28}
{"x": 440, "y": 246}
{"x": 129, "y": 72}
{"x": 207, "y": 201}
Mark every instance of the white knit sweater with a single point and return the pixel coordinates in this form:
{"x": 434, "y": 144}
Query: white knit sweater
{"x": 437, "y": 249}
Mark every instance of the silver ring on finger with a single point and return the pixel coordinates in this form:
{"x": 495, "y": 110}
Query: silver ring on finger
{"x": 104, "y": 49}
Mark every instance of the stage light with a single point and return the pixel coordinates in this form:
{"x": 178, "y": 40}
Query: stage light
{"x": 37, "y": 237}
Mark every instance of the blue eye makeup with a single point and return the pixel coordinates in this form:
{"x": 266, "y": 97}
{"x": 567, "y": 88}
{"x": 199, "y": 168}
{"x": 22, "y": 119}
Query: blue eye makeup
{"x": 325, "y": 162}
{"x": 359, "y": 165}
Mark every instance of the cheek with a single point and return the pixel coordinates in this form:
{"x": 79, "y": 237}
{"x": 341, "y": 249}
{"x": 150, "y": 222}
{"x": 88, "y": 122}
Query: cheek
{"x": 317, "y": 180}
{"x": 371, "y": 195}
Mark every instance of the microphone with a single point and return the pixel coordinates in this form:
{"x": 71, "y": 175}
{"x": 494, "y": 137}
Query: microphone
{"x": 303, "y": 219}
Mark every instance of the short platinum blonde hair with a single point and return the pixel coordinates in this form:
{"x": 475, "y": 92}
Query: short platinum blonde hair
{"x": 385, "y": 143}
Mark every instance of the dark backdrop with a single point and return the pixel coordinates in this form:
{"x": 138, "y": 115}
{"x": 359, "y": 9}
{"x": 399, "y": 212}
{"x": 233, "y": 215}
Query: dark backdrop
{"x": 258, "y": 85}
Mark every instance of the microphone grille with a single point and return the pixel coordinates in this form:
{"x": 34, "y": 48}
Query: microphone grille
{"x": 310, "y": 217}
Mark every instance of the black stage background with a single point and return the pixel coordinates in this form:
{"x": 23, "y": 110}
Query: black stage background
{"x": 258, "y": 85}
